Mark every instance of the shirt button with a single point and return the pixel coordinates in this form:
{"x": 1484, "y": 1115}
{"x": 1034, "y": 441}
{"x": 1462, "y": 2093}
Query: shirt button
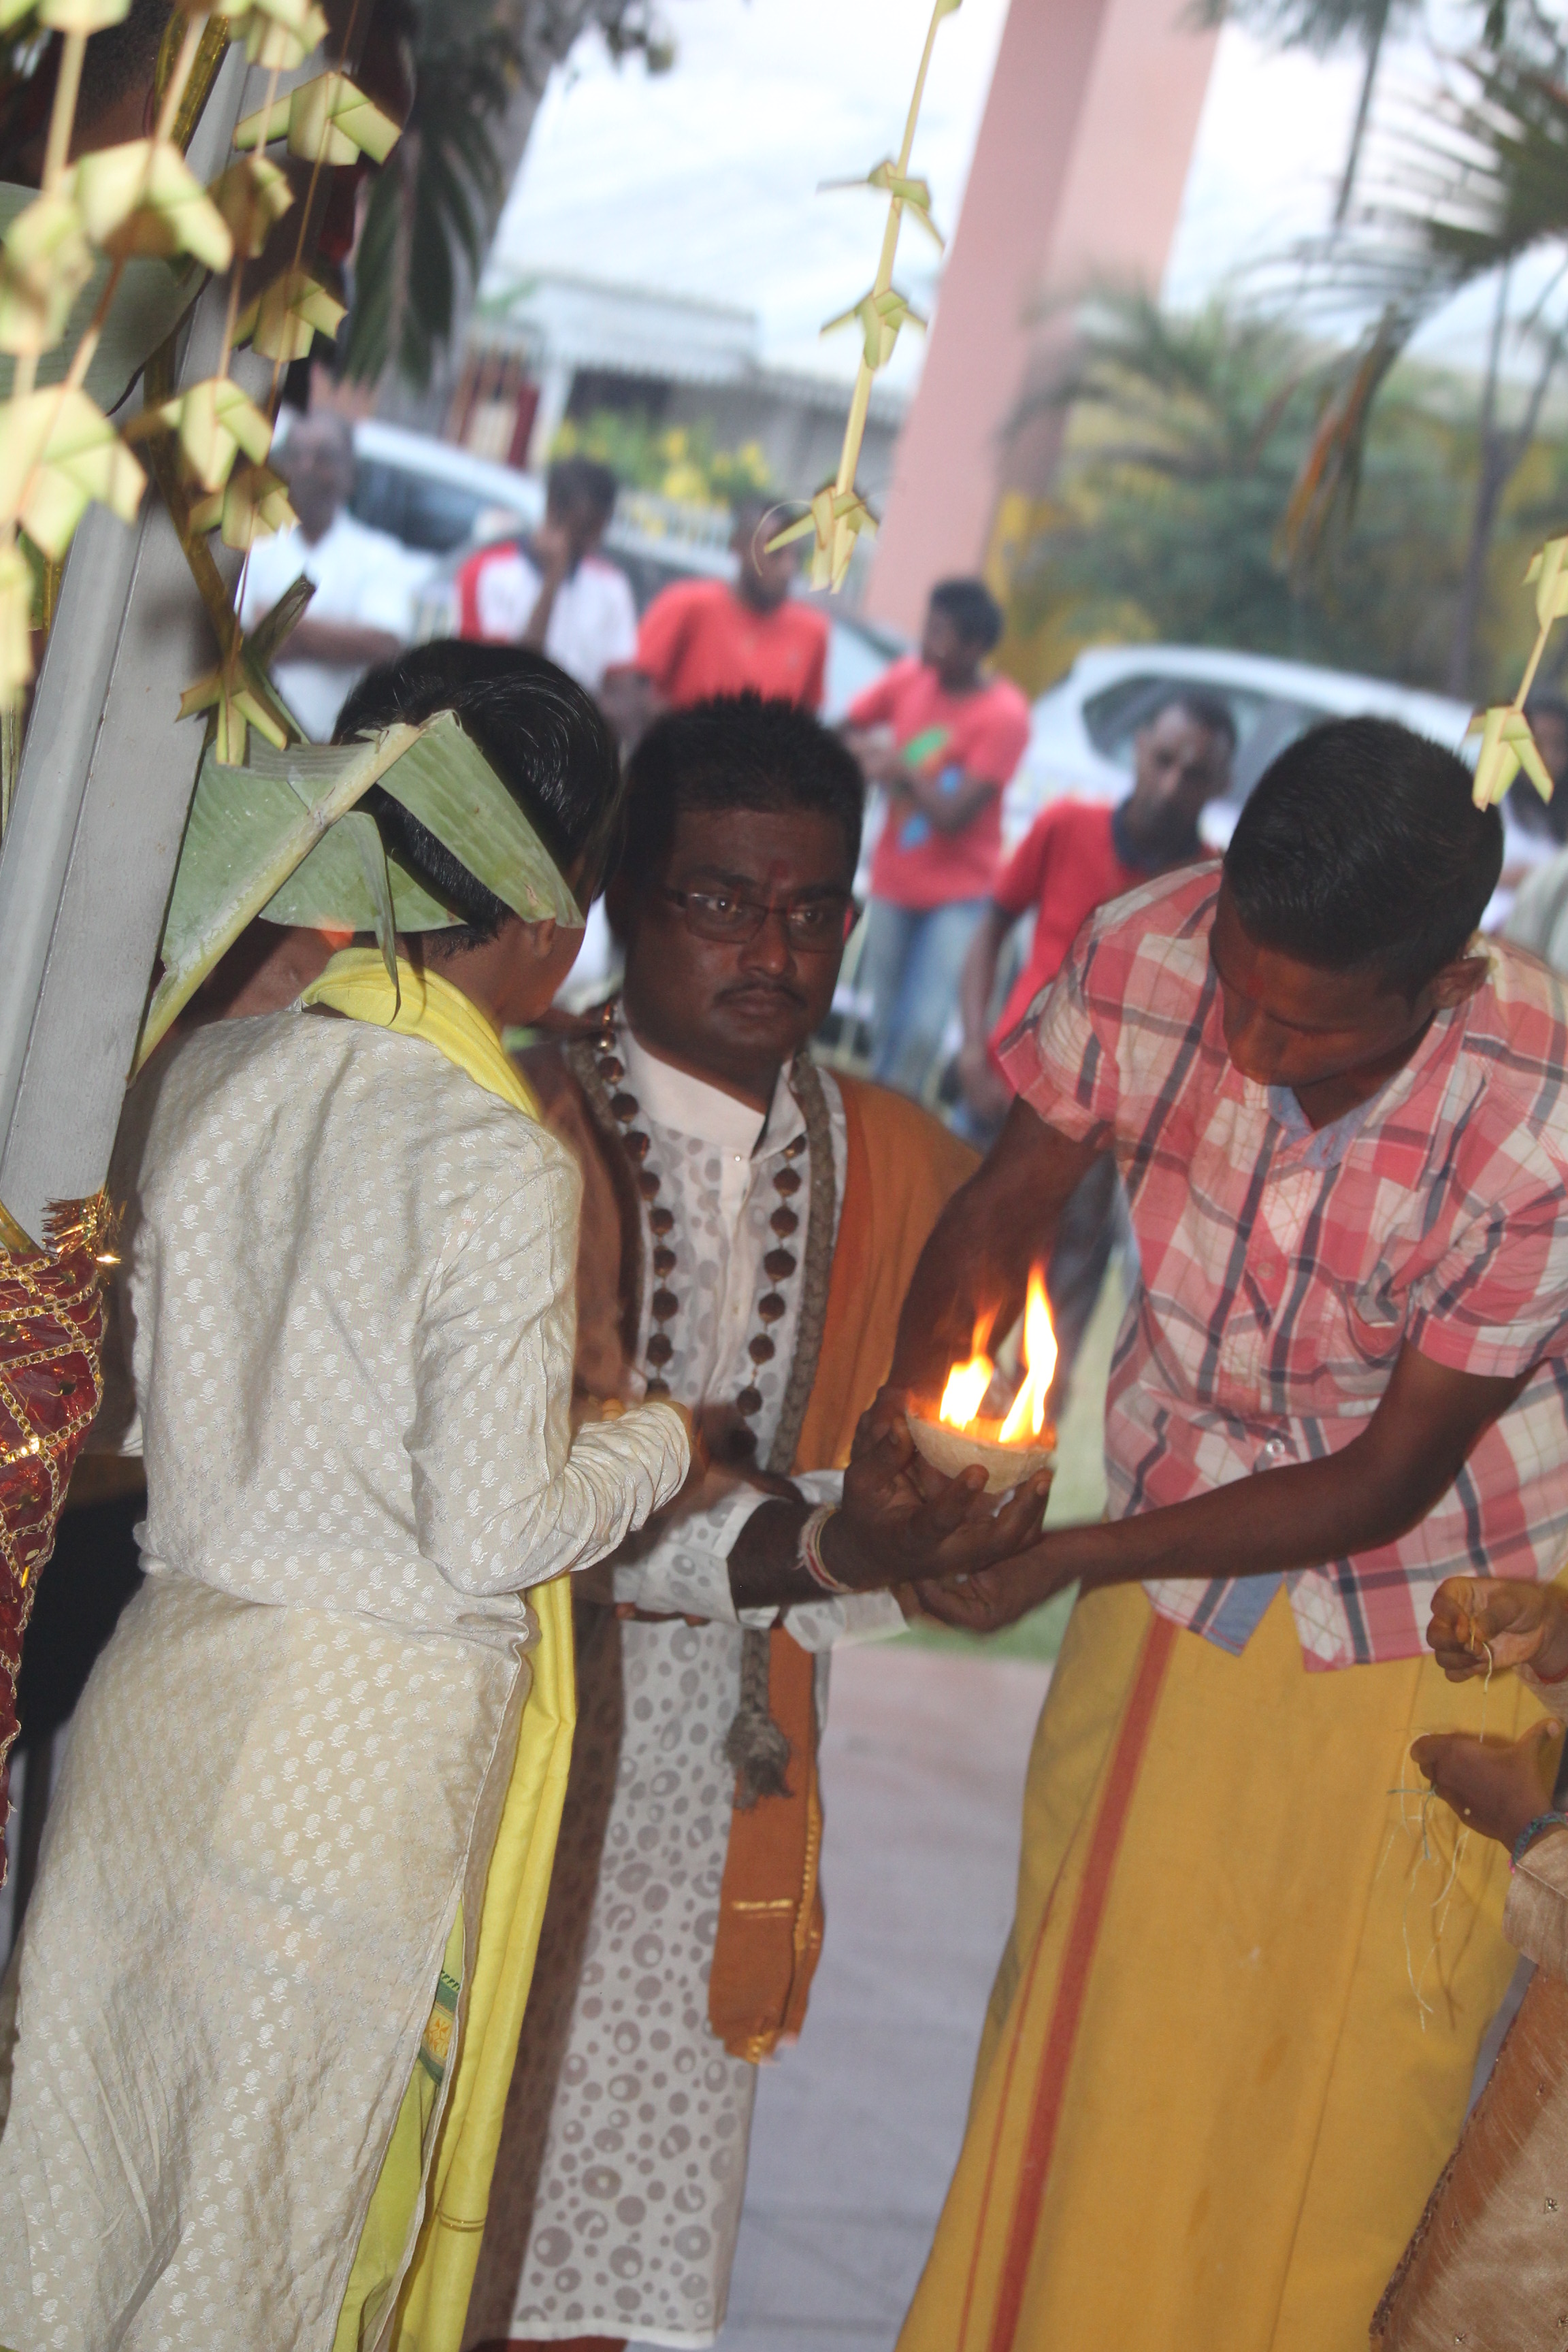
{"x": 1271, "y": 1452}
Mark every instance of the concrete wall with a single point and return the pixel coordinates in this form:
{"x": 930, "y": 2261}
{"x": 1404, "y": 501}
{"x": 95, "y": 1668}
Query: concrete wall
{"x": 1078, "y": 173}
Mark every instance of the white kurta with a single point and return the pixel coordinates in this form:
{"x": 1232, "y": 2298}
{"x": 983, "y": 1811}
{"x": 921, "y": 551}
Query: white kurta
{"x": 617, "y": 2196}
{"x": 348, "y": 1290}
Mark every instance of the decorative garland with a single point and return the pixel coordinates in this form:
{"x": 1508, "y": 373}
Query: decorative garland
{"x": 1507, "y": 744}
{"x": 839, "y": 514}
{"x": 210, "y": 443}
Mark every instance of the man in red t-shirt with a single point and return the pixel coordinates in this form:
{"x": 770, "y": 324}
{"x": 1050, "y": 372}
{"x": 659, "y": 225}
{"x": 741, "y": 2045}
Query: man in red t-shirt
{"x": 943, "y": 740}
{"x": 1076, "y": 855}
{"x": 703, "y": 637}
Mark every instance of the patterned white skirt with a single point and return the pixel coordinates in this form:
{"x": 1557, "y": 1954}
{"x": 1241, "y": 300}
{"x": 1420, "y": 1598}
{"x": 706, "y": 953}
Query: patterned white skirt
{"x": 265, "y": 1821}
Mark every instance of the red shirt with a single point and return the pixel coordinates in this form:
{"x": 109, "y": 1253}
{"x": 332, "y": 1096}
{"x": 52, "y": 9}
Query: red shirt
{"x": 950, "y": 736}
{"x": 699, "y": 639}
{"x": 1066, "y": 865}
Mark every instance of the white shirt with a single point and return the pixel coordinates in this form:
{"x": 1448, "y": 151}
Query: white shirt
{"x": 347, "y": 1281}
{"x": 592, "y": 623}
{"x": 362, "y": 576}
{"x": 718, "y": 1158}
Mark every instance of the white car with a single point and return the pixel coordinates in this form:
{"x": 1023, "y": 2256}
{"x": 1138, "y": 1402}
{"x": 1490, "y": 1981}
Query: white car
{"x": 443, "y": 501}
{"x": 1081, "y": 742}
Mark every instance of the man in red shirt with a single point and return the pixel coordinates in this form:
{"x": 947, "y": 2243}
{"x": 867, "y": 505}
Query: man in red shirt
{"x": 1076, "y": 855}
{"x": 943, "y": 739}
{"x": 705, "y": 637}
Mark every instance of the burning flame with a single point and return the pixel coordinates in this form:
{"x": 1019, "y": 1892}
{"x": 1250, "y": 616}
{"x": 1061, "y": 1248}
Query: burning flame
{"x": 1027, "y": 1417}
{"x": 967, "y": 1383}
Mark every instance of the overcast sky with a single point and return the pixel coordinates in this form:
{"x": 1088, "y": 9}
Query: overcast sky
{"x": 706, "y": 180}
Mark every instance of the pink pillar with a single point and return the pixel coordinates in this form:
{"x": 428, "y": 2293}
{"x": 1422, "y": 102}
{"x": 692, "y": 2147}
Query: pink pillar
{"x": 1077, "y": 173}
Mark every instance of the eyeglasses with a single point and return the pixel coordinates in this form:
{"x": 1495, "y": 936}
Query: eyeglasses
{"x": 812, "y": 926}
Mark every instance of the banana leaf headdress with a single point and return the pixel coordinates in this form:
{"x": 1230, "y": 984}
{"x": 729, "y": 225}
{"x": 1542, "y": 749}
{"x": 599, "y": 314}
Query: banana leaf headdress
{"x": 284, "y": 837}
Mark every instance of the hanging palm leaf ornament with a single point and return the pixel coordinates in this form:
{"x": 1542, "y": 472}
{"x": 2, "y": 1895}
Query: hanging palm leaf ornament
{"x": 134, "y": 219}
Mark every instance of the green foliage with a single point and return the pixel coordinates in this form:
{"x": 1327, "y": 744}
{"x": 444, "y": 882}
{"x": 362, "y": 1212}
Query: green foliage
{"x": 679, "y": 461}
{"x": 434, "y": 203}
{"x": 1185, "y": 438}
{"x": 434, "y": 199}
{"x": 1322, "y": 24}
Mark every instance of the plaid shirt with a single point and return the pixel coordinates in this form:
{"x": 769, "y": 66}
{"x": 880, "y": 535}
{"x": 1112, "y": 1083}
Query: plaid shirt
{"x": 1283, "y": 1269}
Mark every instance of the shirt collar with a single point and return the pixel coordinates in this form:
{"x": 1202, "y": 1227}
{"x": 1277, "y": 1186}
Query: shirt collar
{"x": 1324, "y": 1147}
{"x": 689, "y": 1106}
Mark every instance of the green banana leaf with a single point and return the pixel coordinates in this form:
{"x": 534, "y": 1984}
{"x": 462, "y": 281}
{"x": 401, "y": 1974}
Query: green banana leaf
{"x": 281, "y": 836}
{"x": 330, "y": 891}
{"x": 447, "y": 783}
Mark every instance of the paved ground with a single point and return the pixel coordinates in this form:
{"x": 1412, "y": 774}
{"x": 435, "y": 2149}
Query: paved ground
{"x": 858, "y": 2126}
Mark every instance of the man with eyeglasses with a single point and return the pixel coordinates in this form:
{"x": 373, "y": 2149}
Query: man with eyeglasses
{"x": 749, "y": 1223}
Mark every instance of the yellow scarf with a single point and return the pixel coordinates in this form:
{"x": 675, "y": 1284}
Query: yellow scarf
{"x": 433, "y": 2304}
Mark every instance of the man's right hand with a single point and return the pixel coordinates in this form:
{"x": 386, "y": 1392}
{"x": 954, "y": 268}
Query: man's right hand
{"x": 1513, "y": 1623}
{"x": 900, "y": 1520}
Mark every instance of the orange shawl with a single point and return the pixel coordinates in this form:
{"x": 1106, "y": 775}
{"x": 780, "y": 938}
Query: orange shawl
{"x": 903, "y": 1167}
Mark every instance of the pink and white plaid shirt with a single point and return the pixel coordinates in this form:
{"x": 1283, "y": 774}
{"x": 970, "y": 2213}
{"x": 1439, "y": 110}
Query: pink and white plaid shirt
{"x": 1283, "y": 1269}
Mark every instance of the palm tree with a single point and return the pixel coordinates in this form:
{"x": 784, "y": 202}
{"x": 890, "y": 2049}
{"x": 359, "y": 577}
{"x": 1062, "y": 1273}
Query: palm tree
{"x": 1476, "y": 187}
{"x": 481, "y": 68}
{"x": 1186, "y": 436}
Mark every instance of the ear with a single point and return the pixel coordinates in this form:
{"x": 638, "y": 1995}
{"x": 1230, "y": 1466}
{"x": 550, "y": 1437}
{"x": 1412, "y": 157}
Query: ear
{"x": 1459, "y": 979}
{"x": 540, "y": 937}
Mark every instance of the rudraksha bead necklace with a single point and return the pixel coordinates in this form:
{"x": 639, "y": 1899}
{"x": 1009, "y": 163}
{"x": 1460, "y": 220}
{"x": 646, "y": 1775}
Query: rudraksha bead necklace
{"x": 780, "y": 1264}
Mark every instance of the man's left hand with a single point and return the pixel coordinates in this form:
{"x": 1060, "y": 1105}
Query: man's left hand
{"x": 902, "y": 1521}
{"x": 996, "y": 1597}
{"x": 1496, "y": 1786}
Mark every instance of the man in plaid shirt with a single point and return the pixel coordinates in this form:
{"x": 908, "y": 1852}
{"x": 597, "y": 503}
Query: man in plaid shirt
{"x": 1237, "y": 2018}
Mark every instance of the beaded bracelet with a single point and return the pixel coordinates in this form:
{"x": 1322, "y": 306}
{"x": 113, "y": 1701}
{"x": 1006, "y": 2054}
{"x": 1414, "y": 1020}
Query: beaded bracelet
{"x": 1533, "y": 1830}
{"x": 809, "y": 1553}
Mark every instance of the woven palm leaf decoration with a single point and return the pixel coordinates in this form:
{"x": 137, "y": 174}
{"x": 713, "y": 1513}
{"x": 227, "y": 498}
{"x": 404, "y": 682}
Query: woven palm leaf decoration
{"x": 96, "y": 269}
{"x": 839, "y": 514}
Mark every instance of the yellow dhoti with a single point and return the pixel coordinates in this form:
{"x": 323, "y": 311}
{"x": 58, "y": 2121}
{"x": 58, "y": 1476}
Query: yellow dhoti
{"x": 1234, "y": 2030}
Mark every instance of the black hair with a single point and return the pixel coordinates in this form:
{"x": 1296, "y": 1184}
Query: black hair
{"x": 122, "y": 56}
{"x": 541, "y": 732}
{"x": 736, "y": 751}
{"x": 1361, "y": 849}
{"x": 583, "y": 482}
{"x": 1546, "y": 705}
{"x": 972, "y": 610}
{"x": 1210, "y": 711}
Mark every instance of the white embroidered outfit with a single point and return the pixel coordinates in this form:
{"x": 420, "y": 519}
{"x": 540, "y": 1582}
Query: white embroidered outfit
{"x": 347, "y": 1296}
{"x": 616, "y": 2198}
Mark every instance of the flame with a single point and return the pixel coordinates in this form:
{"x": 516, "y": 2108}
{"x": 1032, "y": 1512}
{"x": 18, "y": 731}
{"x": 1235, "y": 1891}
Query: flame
{"x": 967, "y": 1383}
{"x": 1027, "y": 1417}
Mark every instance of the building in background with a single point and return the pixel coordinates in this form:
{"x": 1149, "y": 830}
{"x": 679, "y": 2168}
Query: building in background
{"x": 560, "y": 349}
